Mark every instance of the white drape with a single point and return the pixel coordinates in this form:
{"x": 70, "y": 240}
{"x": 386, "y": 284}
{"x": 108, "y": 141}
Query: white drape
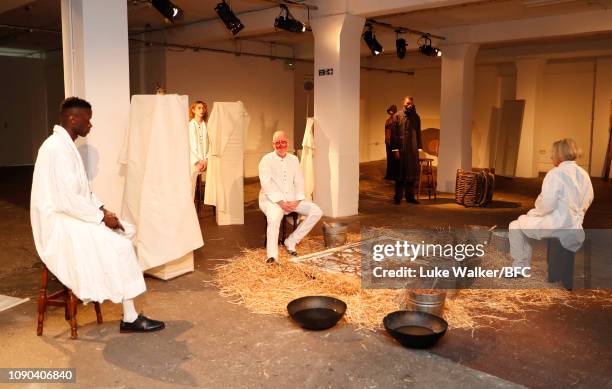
{"x": 307, "y": 162}
{"x": 157, "y": 195}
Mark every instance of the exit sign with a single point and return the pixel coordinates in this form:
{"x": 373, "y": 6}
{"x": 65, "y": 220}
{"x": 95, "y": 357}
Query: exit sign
{"x": 326, "y": 72}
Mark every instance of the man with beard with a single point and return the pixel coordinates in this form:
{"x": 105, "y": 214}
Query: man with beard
{"x": 405, "y": 146}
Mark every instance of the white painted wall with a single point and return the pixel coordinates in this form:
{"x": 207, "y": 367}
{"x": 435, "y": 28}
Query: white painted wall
{"x": 265, "y": 87}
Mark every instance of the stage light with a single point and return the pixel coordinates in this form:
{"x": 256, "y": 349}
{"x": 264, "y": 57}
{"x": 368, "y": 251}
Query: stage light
{"x": 168, "y": 10}
{"x": 229, "y": 18}
{"x": 427, "y": 49}
{"x": 370, "y": 40}
{"x": 286, "y": 21}
{"x": 400, "y": 47}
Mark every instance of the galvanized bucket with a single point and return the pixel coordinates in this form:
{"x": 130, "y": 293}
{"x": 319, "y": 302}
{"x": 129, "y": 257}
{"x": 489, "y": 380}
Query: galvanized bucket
{"x": 502, "y": 241}
{"x": 335, "y": 234}
{"x": 430, "y": 302}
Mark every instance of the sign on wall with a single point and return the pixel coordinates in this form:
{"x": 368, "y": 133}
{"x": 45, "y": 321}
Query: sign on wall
{"x": 326, "y": 72}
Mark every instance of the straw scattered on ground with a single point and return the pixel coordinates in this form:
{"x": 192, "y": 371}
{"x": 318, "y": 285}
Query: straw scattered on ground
{"x": 267, "y": 289}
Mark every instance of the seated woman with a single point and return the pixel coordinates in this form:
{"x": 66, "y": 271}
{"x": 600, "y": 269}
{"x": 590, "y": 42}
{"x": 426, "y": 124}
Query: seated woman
{"x": 566, "y": 195}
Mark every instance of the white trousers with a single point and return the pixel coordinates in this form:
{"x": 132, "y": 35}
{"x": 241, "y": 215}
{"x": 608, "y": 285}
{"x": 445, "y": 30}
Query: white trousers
{"x": 274, "y": 213}
{"x": 520, "y": 248}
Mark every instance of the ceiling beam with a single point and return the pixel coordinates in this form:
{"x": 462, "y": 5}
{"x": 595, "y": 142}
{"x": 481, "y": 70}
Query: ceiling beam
{"x": 7, "y": 5}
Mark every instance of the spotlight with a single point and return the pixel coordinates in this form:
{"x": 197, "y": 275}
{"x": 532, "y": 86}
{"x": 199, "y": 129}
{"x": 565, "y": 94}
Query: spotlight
{"x": 427, "y": 49}
{"x": 370, "y": 40}
{"x": 400, "y": 46}
{"x": 168, "y": 10}
{"x": 287, "y": 22}
{"x": 229, "y": 18}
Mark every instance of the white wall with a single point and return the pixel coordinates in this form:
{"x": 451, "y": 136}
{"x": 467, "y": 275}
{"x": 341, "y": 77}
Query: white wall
{"x": 265, "y": 87}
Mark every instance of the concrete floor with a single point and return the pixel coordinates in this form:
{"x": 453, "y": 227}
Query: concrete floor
{"x": 211, "y": 342}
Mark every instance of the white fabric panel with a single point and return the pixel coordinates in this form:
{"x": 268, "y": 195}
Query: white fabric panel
{"x": 307, "y": 162}
{"x": 157, "y": 195}
{"x": 225, "y": 173}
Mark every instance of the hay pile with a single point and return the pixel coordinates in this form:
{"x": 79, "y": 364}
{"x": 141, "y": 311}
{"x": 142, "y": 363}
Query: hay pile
{"x": 267, "y": 289}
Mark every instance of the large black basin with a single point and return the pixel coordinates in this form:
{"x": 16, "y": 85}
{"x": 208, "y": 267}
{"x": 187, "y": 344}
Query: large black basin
{"x": 415, "y": 329}
{"x": 316, "y": 312}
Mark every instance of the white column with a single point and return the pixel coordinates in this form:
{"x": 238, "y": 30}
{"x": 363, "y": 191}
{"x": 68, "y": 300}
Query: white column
{"x": 336, "y": 112}
{"x": 96, "y": 68}
{"x": 456, "y": 102}
{"x": 529, "y": 78}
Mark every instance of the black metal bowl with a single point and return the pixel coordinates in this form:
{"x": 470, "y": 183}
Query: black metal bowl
{"x": 316, "y": 312}
{"x": 415, "y": 329}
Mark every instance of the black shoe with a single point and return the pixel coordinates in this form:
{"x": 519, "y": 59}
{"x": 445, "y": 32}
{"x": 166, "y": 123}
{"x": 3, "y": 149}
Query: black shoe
{"x": 271, "y": 260}
{"x": 397, "y": 201}
{"x": 141, "y": 324}
{"x": 413, "y": 200}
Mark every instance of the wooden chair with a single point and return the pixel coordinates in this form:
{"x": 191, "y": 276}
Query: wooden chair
{"x": 199, "y": 196}
{"x": 283, "y": 229}
{"x": 426, "y": 172}
{"x": 62, "y": 298}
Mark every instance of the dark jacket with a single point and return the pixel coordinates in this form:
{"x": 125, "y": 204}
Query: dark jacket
{"x": 406, "y": 137}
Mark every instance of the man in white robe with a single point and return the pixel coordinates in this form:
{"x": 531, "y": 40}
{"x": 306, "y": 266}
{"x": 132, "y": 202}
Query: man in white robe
{"x": 198, "y": 142}
{"x": 84, "y": 245}
{"x": 559, "y": 210}
{"x": 282, "y": 192}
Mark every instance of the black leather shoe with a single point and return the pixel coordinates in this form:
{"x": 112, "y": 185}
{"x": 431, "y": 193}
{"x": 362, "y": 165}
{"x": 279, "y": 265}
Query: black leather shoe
{"x": 271, "y": 260}
{"x": 141, "y": 324}
{"x": 396, "y": 201}
{"x": 412, "y": 200}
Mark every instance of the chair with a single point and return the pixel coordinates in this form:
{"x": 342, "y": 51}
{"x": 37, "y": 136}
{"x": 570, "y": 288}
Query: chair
{"x": 283, "y": 228}
{"x": 426, "y": 171}
{"x": 199, "y": 196}
{"x": 62, "y": 298}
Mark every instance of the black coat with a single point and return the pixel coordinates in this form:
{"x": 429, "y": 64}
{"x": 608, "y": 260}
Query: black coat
{"x": 406, "y": 137}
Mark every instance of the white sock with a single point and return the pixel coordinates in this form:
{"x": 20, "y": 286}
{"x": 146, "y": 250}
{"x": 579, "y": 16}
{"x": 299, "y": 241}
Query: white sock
{"x": 129, "y": 311}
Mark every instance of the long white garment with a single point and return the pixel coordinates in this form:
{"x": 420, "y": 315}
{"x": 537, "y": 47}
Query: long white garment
{"x": 307, "y": 161}
{"x": 95, "y": 262}
{"x": 559, "y": 210}
{"x": 198, "y": 146}
{"x": 282, "y": 180}
{"x": 225, "y": 173}
{"x": 158, "y": 197}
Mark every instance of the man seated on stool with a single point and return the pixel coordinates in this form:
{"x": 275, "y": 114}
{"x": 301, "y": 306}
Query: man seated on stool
{"x": 83, "y": 244}
{"x": 282, "y": 192}
{"x": 566, "y": 195}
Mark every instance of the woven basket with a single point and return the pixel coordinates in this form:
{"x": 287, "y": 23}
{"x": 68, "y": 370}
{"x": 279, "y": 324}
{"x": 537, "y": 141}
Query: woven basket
{"x": 474, "y": 189}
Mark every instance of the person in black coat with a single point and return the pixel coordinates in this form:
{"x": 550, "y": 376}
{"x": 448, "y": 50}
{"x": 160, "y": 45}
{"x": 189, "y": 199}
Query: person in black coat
{"x": 405, "y": 145}
{"x": 391, "y": 163}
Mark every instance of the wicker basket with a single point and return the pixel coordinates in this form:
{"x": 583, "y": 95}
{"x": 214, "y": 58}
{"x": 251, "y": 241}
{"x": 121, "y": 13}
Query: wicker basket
{"x": 474, "y": 189}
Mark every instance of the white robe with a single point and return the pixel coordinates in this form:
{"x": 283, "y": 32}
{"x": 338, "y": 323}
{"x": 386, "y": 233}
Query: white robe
{"x": 95, "y": 262}
{"x": 559, "y": 210}
{"x": 307, "y": 161}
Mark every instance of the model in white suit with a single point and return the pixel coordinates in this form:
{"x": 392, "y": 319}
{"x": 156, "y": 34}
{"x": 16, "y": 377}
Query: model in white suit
{"x": 198, "y": 142}
{"x": 282, "y": 192}
{"x": 559, "y": 210}
{"x": 84, "y": 245}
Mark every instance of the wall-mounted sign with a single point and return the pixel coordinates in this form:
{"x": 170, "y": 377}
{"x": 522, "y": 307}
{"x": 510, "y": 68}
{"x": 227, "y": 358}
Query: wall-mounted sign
{"x": 326, "y": 72}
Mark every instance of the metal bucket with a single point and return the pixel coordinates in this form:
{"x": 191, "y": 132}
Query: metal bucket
{"x": 502, "y": 241}
{"x": 335, "y": 234}
{"x": 479, "y": 234}
{"x": 432, "y": 302}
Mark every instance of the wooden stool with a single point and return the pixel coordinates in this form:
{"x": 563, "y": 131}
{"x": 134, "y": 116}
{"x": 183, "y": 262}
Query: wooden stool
{"x": 426, "y": 170}
{"x": 199, "y": 196}
{"x": 560, "y": 263}
{"x": 62, "y": 298}
{"x": 283, "y": 231}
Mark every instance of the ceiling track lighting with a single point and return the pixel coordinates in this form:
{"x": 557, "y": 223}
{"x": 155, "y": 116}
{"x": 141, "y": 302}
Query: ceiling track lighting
{"x": 286, "y": 21}
{"x": 400, "y": 45}
{"x": 227, "y": 16}
{"x": 370, "y": 39}
{"x": 426, "y": 48}
{"x": 169, "y": 11}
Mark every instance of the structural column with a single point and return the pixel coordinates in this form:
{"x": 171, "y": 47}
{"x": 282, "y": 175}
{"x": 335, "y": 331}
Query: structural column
{"x": 456, "y": 102}
{"x": 96, "y": 68}
{"x": 529, "y": 78}
{"x": 336, "y": 111}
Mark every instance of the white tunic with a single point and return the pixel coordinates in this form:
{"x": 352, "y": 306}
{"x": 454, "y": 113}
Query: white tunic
{"x": 559, "y": 210}
{"x": 198, "y": 142}
{"x": 281, "y": 178}
{"x": 95, "y": 262}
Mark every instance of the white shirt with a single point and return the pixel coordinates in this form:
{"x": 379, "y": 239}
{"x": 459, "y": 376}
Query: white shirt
{"x": 281, "y": 178}
{"x": 198, "y": 141}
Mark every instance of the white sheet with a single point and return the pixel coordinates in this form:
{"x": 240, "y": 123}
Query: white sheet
{"x": 157, "y": 195}
{"x": 307, "y": 161}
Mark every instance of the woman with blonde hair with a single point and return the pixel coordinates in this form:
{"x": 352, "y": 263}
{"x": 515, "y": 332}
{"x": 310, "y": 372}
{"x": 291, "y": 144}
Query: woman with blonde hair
{"x": 559, "y": 210}
{"x": 198, "y": 140}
